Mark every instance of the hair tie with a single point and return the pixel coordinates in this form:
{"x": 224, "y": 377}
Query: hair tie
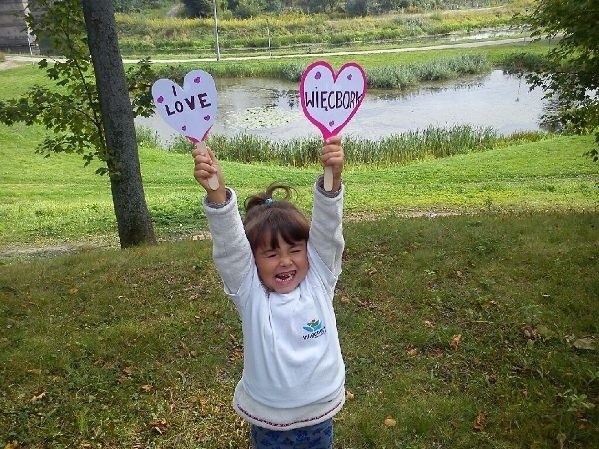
{"x": 268, "y": 201}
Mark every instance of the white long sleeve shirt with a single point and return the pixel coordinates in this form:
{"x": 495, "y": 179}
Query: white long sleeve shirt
{"x": 293, "y": 373}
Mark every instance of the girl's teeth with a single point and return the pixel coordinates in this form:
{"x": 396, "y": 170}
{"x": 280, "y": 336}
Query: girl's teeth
{"x": 284, "y": 277}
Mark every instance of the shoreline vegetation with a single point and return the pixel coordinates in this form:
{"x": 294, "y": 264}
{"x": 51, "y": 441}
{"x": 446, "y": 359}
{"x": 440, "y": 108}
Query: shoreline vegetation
{"x": 396, "y": 149}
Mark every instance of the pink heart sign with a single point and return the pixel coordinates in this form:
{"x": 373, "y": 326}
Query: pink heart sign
{"x": 190, "y": 110}
{"x": 329, "y": 100}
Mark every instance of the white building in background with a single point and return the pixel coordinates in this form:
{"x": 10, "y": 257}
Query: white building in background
{"x": 14, "y": 35}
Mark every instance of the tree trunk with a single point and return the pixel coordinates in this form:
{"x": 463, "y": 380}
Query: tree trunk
{"x": 134, "y": 222}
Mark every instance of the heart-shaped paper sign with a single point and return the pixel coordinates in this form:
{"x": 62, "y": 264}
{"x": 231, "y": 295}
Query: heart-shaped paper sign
{"x": 330, "y": 100}
{"x": 190, "y": 110}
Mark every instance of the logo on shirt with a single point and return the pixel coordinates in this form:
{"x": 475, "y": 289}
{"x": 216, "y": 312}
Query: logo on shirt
{"x": 315, "y": 329}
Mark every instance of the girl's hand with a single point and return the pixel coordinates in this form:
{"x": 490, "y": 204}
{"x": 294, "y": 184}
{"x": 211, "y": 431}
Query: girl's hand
{"x": 333, "y": 157}
{"x": 205, "y": 166}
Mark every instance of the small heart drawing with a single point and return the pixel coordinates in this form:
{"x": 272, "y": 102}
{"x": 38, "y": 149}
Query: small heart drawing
{"x": 189, "y": 110}
{"x": 329, "y": 100}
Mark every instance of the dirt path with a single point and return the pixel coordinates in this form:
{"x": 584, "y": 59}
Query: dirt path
{"x": 16, "y": 253}
{"x": 9, "y": 64}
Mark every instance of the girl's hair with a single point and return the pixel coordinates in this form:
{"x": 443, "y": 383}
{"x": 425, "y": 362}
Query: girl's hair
{"x": 267, "y": 218}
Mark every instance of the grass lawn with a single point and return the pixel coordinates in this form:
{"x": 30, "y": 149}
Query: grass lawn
{"x": 469, "y": 331}
{"x": 54, "y": 200}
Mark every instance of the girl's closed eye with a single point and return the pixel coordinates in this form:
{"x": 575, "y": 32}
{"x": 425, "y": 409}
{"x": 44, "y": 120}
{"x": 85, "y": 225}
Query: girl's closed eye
{"x": 269, "y": 253}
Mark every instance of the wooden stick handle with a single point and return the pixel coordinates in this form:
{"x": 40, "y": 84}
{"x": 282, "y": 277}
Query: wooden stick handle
{"x": 328, "y": 179}
{"x": 213, "y": 180}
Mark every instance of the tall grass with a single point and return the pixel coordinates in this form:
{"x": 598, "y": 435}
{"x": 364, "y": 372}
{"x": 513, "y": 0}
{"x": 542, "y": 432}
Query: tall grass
{"x": 400, "y": 149}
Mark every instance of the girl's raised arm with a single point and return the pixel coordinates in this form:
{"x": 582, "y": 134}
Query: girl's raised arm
{"x": 230, "y": 249}
{"x": 205, "y": 167}
{"x": 326, "y": 235}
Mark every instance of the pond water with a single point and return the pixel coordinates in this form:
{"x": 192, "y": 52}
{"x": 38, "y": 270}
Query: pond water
{"x": 270, "y": 108}
{"x": 484, "y": 35}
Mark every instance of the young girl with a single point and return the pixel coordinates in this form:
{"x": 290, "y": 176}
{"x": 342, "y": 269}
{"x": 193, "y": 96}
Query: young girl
{"x": 281, "y": 271}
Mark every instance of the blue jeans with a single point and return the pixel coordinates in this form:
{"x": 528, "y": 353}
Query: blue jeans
{"x": 318, "y": 436}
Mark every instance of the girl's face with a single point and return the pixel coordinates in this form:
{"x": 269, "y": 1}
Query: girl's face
{"x": 282, "y": 269}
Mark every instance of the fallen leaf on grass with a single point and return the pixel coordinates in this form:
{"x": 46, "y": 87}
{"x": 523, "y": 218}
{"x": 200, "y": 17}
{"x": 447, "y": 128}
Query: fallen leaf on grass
{"x": 412, "y": 352}
{"x": 147, "y": 388}
{"x": 160, "y": 426}
{"x": 436, "y": 352}
{"x": 11, "y": 445}
{"x": 455, "y": 341}
{"x": 479, "y": 422}
{"x": 349, "y": 395}
{"x": 390, "y": 422}
{"x": 38, "y": 397}
{"x": 235, "y": 349}
{"x": 587, "y": 343}
{"x": 429, "y": 324}
{"x": 561, "y": 438}
{"x": 128, "y": 370}
{"x": 530, "y": 332}
{"x": 545, "y": 332}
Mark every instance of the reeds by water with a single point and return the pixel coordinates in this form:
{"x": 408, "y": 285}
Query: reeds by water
{"x": 400, "y": 149}
{"x": 402, "y": 76}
